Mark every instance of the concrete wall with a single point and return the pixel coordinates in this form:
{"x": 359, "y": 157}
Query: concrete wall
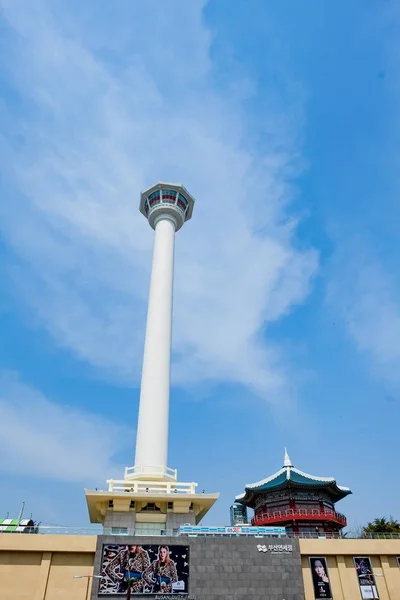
{"x": 226, "y": 567}
{"x": 42, "y": 567}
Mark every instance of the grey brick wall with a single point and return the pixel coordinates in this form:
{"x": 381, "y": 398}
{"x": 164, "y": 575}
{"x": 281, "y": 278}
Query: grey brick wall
{"x": 230, "y": 568}
{"x": 120, "y": 519}
{"x": 175, "y": 520}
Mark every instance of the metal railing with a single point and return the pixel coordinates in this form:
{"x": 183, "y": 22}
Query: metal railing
{"x": 60, "y": 530}
{"x": 127, "y": 531}
{"x": 121, "y": 531}
{"x": 297, "y": 514}
{"x": 380, "y": 536}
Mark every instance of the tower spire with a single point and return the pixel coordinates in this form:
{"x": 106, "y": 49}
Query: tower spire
{"x": 286, "y": 461}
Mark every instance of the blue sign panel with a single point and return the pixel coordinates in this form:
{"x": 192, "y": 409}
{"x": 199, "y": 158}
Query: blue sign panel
{"x": 256, "y": 531}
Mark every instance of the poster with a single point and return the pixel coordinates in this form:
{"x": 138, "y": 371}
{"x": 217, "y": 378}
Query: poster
{"x": 147, "y": 569}
{"x": 320, "y": 577}
{"x": 366, "y": 579}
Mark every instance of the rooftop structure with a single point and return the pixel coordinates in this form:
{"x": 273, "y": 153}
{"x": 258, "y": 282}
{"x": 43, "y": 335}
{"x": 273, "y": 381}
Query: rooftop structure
{"x": 301, "y": 502}
{"x": 18, "y": 526}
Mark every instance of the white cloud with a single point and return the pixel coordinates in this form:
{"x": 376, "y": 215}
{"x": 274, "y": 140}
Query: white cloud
{"x": 40, "y": 438}
{"x": 111, "y": 103}
{"x": 365, "y": 295}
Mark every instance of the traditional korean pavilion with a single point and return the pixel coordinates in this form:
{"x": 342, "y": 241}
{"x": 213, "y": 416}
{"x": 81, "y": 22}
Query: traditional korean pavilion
{"x": 300, "y": 502}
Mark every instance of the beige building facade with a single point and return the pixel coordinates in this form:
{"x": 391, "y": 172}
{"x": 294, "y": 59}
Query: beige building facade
{"x": 339, "y": 554}
{"x": 44, "y": 567}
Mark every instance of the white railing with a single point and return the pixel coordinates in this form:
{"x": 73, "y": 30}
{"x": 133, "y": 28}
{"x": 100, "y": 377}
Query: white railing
{"x": 151, "y": 471}
{"x": 150, "y": 487}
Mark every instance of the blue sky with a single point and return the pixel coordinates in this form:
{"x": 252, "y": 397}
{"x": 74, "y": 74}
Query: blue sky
{"x": 281, "y": 118}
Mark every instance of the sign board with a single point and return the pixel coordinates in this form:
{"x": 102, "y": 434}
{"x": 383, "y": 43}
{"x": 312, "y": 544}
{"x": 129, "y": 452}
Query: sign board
{"x": 254, "y": 531}
{"x": 275, "y": 548}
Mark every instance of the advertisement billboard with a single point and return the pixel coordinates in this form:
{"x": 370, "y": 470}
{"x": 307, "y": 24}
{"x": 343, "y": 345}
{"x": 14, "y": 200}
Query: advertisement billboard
{"x": 366, "y": 579}
{"x": 320, "y": 577}
{"x": 146, "y": 569}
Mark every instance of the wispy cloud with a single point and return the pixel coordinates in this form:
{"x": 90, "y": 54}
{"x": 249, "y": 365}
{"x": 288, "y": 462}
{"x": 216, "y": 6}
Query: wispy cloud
{"x": 40, "y": 438}
{"x": 102, "y": 105}
{"x": 364, "y": 287}
{"x": 365, "y": 295}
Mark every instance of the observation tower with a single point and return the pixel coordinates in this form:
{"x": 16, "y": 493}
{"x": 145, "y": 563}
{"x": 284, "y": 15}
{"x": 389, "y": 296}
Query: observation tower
{"x": 149, "y": 499}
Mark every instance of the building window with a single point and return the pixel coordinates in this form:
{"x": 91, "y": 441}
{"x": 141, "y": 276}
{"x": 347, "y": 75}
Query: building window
{"x": 170, "y": 505}
{"x": 151, "y": 507}
{"x": 169, "y": 196}
{"x": 119, "y": 530}
{"x": 110, "y": 503}
{"x": 154, "y": 198}
{"x": 276, "y": 506}
{"x": 308, "y": 506}
{"x": 182, "y": 202}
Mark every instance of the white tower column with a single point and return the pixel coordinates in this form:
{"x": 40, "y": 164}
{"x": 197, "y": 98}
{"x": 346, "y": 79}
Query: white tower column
{"x": 152, "y": 432}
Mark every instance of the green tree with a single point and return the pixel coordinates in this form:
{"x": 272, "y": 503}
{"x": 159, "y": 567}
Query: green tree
{"x": 129, "y": 589}
{"x": 382, "y": 525}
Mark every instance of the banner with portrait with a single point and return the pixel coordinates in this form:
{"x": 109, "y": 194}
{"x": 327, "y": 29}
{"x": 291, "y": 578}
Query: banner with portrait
{"x": 146, "y": 569}
{"x": 320, "y": 577}
{"x": 366, "y": 579}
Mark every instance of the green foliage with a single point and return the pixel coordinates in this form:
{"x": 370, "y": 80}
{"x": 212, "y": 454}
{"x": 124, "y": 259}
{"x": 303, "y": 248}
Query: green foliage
{"x": 382, "y": 525}
{"x": 129, "y": 591}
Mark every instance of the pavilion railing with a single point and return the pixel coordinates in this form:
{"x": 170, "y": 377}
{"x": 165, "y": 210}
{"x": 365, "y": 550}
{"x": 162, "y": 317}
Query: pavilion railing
{"x": 298, "y": 514}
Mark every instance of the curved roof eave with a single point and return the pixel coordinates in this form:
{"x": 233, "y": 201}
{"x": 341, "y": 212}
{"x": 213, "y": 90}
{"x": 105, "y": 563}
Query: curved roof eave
{"x": 289, "y": 475}
{"x": 296, "y": 478}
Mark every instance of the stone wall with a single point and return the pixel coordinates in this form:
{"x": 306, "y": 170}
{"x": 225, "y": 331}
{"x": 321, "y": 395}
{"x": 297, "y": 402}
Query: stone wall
{"x": 232, "y": 568}
{"x": 120, "y": 519}
{"x": 175, "y": 520}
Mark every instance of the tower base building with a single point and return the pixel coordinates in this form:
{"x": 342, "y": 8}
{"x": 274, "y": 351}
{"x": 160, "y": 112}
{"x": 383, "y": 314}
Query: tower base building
{"x": 140, "y": 507}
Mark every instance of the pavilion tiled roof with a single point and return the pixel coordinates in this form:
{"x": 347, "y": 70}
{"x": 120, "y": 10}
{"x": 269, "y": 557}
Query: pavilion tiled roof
{"x": 289, "y": 476}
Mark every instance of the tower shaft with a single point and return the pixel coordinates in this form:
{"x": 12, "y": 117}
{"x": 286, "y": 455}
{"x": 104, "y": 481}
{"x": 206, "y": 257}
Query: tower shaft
{"x": 152, "y": 432}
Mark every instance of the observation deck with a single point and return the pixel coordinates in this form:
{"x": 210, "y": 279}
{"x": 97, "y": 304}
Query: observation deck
{"x": 167, "y": 198}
